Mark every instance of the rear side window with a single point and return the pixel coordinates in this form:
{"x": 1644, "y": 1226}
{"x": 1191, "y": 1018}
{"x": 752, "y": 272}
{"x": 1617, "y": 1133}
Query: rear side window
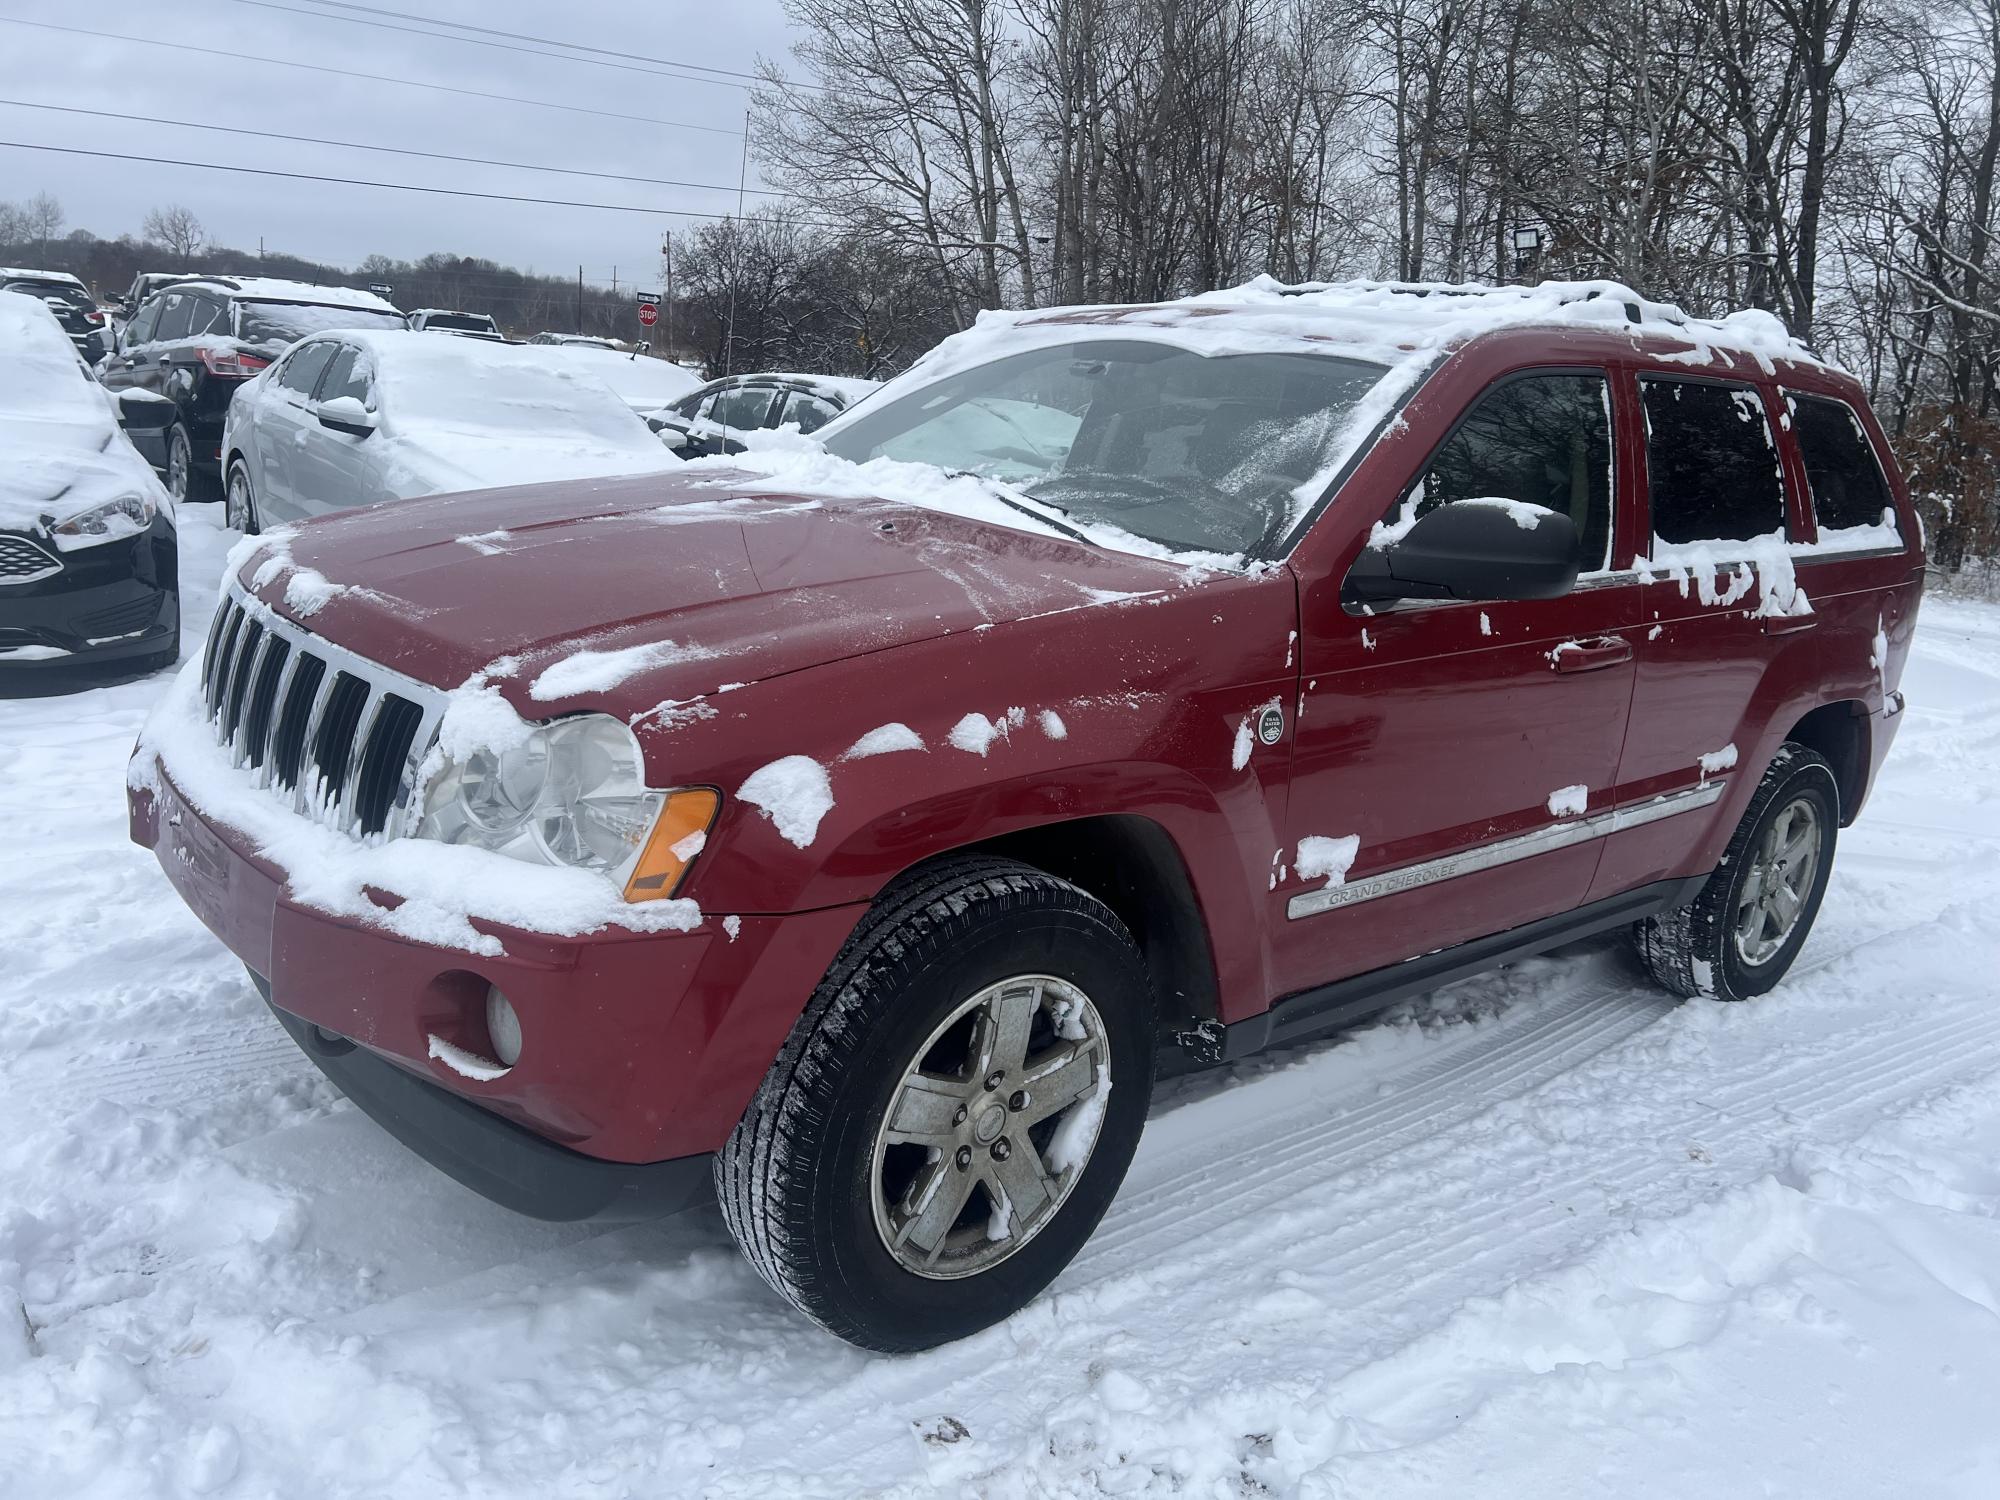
{"x": 811, "y": 412}
{"x": 1544, "y": 439}
{"x": 208, "y": 316}
{"x": 175, "y": 317}
{"x": 1847, "y": 485}
{"x": 301, "y": 372}
{"x": 1711, "y": 466}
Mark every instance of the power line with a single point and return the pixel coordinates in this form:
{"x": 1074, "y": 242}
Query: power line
{"x": 442, "y": 88}
{"x": 517, "y": 36}
{"x": 314, "y": 140}
{"x": 666, "y": 69}
{"x": 400, "y": 187}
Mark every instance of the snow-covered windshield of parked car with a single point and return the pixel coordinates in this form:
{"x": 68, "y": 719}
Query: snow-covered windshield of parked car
{"x": 464, "y": 321}
{"x": 1194, "y": 452}
{"x": 288, "y": 322}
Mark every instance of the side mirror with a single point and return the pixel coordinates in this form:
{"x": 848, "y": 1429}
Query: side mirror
{"x": 345, "y": 414}
{"x": 145, "y": 411}
{"x": 1472, "y": 549}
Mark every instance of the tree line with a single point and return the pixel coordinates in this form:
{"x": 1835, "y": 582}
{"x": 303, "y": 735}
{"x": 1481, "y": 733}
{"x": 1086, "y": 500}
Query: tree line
{"x": 172, "y": 238}
{"x": 1832, "y": 161}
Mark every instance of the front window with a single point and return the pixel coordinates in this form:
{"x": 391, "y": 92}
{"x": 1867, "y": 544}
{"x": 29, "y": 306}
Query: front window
{"x": 1194, "y": 452}
{"x": 288, "y": 322}
{"x": 1541, "y": 439}
{"x": 460, "y": 322}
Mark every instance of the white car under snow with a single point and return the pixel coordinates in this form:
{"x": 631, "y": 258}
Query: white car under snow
{"x": 352, "y": 418}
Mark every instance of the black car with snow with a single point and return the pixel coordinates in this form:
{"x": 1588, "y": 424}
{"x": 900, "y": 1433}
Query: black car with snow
{"x": 712, "y": 420}
{"x": 71, "y": 303}
{"x": 197, "y": 340}
{"x": 88, "y": 557}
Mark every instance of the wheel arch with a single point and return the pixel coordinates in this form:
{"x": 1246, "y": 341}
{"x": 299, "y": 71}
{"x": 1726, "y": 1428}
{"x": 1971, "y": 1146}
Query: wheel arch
{"x": 1839, "y": 733}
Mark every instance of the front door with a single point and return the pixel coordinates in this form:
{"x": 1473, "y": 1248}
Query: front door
{"x": 1452, "y": 759}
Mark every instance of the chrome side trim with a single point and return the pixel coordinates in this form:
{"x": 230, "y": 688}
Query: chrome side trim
{"x": 1506, "y": 851}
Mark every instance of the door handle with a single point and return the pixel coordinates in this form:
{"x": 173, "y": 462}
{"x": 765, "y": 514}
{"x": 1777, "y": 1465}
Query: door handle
{"x": 1788, "y": 624}
{"x": 1592, "y": 655}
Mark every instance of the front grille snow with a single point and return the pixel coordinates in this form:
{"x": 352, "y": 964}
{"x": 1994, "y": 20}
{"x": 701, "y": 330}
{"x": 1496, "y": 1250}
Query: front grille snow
{"x": 341, "y": 739}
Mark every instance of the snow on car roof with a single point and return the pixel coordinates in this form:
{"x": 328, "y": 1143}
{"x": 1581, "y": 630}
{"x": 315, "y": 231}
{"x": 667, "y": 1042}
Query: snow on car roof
{"x": 275, "y": 289}
{"x": 19, "y": 273}
{"x": 847, "y": 387}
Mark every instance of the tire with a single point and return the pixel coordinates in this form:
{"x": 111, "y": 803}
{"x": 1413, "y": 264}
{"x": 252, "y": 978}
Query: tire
{"x": 1717, "y": 947}
{"x": 240, "y": 501}
{"x": 186, "y": 481}
{"x": 168, "y": 656}
{"x": 813, "y": 1187}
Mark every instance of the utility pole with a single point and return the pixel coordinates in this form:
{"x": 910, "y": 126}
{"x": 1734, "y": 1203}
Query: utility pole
{"x": 667, "y": 249}
{"x": 579, "y": 299}
{"x": 736, "y": 250}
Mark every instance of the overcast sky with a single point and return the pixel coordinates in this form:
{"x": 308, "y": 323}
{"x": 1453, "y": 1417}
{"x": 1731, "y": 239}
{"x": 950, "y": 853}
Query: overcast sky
{"x": 343, "y": 224}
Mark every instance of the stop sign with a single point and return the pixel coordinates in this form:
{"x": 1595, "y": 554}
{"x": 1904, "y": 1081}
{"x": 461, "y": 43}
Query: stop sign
{"x": 648, "y": 314}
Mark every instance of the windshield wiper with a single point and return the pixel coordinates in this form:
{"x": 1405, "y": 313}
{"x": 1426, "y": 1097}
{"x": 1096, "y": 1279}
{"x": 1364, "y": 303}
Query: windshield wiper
{"x": 1025, "y": 503}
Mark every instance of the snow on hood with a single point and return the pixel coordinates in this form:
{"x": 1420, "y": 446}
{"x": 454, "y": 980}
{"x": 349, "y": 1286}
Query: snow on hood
{"x": 61, "y": 449}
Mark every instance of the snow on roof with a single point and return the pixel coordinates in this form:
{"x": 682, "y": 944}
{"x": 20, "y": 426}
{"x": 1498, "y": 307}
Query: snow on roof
{"x": 18, "y": 273}
{"x": 275, "y": 289}
{"x": 847, "y": 387}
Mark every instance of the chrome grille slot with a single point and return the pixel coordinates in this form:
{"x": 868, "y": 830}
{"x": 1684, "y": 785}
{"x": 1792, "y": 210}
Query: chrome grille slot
{"x": 339, "y": 738}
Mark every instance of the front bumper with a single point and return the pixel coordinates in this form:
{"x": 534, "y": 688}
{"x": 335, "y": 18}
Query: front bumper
{"x": 105, "y": 603}
{"x": 514, "y": 1167}
{"x": 639, "y": 1048}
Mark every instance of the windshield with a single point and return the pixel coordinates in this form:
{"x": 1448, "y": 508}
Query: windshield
{"x": 1195, "y": 452}
{"x": 288, "y": 322}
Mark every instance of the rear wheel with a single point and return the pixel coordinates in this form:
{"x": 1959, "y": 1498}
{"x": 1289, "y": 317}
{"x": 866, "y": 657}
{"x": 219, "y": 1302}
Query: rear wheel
{"x": 953, "y": 1113}
{"x": 180, "y": 463}
{"x": 1741, "y": 934}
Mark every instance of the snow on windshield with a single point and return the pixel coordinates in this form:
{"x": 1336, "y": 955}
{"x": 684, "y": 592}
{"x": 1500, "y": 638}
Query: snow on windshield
{"x": 288, "y": 322}
{"x": 467, "y": 385}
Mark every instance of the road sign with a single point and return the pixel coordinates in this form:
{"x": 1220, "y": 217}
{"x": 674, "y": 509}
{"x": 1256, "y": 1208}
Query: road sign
{"x": 649, "y": 299}
{"x": 648, "y": 314}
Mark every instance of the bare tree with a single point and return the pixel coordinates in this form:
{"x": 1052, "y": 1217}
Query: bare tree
{"x": 175, "y": 228}
{"x": 45, "y": 219}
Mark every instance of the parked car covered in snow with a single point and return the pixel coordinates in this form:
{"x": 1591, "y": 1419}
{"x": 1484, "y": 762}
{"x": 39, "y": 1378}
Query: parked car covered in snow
{"x": 196, "y": 340}
{"x": 450, "y": 320}
{"x": 356, "y": 417}
{"x": 71, "y": 303}
{"x": 88, "y": 554}
{"x": 850, "y": 825}
{"x": 645, "y": 384}
{"x": 713, "y": 419}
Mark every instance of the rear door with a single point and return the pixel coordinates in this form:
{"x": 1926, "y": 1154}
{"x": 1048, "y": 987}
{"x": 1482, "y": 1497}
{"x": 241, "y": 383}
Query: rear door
{"x": 128, "y": 366}
{"x": 1725, "y": 646}
{"x": 1452, "y": 760}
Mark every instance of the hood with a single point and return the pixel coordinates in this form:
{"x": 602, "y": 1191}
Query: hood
{"x": 676, "y": 585}
{"x": 56, "y": 467}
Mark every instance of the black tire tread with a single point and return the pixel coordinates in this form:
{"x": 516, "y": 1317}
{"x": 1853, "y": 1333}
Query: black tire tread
{"x": 769, "y": 1224}
{"x": 1674, "y": 945}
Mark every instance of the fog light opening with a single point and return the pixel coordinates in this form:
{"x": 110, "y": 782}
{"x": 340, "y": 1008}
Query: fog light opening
{"x": 503, "y": 1028}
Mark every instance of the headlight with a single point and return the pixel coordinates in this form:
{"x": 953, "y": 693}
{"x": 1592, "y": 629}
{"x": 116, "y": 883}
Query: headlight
{"x": 573, "y": 793}
{"x": 128, "y": 515}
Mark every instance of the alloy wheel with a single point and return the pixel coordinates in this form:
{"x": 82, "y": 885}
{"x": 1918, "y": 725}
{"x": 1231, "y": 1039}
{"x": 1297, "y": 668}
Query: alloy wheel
{"x": 1780, "y": 880}
{"x": 180, "y": 464}
{"x": 240, "y": 507}
{"x": 990, "y": 1126}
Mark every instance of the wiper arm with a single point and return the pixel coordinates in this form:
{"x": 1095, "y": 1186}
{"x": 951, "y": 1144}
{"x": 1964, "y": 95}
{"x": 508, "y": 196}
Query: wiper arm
{"x": 1025, "y": 503}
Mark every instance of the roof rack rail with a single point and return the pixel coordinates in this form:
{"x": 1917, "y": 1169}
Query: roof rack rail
{"x": 1635, "y": 312}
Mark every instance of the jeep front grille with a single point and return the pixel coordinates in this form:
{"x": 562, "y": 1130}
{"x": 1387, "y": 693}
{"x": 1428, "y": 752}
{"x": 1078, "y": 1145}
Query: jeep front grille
{"x": 341, "y": 739}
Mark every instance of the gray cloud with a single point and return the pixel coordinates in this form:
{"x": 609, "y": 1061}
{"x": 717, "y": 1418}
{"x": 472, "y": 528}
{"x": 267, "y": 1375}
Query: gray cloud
{"x": 343, "y": 224}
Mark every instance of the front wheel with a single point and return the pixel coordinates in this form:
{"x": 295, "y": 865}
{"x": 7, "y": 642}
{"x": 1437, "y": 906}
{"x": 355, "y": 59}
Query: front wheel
{"x": 1741, "y": 934}
{"x": 953, "y": 1113}
{"x": 240, "y": 501}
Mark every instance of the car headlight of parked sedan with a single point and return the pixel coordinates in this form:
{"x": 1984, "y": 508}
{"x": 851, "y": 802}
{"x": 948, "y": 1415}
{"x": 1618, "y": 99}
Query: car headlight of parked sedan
{"x": 128, "y": 515}
{"x": 572, "y": 793}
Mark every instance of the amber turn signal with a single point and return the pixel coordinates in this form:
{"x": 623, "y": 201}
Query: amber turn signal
{"x": 677, "y": 837}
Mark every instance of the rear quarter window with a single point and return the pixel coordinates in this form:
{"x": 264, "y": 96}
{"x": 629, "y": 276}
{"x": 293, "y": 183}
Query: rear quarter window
{"x": 1711, "y": 464}
{"x": 1848, "y": 487}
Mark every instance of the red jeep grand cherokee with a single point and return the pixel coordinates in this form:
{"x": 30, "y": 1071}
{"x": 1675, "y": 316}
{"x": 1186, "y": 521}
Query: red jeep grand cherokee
{"x": 858, "y": 825}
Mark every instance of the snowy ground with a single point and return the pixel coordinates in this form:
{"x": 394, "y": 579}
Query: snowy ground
{"x": 1546, "y": 1235}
